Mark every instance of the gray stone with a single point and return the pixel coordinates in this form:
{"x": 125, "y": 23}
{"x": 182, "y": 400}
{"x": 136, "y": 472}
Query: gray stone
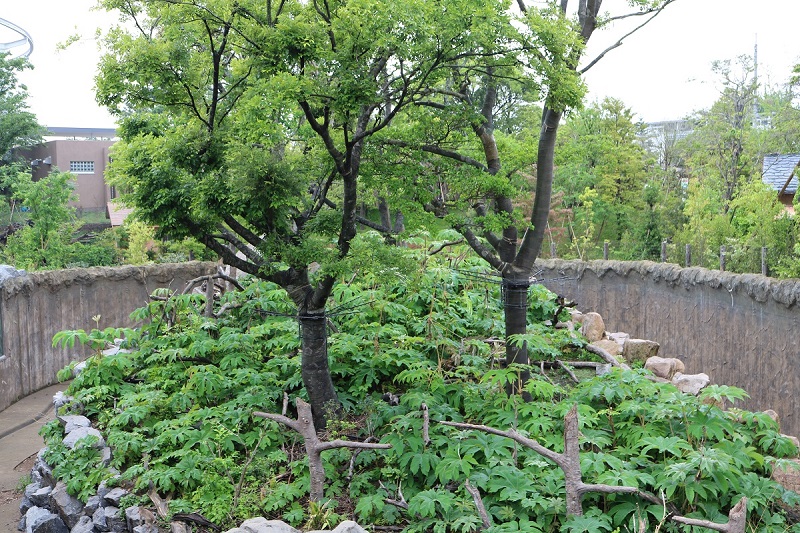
{"x": 348, "y": 526}
{"x": 639, "y": 350}
{"x": 21, "y": 524}
{"x": 619, "y": 337}
{"x": 593, "y": 327}
{"x": 24, "y": 504}
{"x": 73, "y": 422}
{"x": 99, "y": 520}
{"x": 136, "y": 516}
{"x": 105, "y": 456}
{"x": 60, "y": 399}
{"x": 44, "y": 469}
{"x": 8, "y": 272}
{"x": 39, "y": 520}
{"x": 115, "y": 519}
{"x": 664, "y": 367}
{"x": 41, "y": 498}
{"x": 50, "y": 524}
{"x": 114, "y": 496}
{"x": 602, "y": 370}
{"x": 73, "y": 437}
{"x": 262, "y": 525}
{"x": 84, "y": 525}
{"x": 70, "y": 509}
{"x": 690, "y": 383}
{"x": 36, "y": 477}
{"x": 92, "y": 504}
{"x": 146, "y": 528}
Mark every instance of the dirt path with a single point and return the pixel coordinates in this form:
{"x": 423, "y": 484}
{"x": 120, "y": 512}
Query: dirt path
{"x": 19, "y": 444}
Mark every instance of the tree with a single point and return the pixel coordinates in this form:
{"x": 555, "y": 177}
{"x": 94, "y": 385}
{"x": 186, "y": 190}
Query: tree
{"x": 18, "y": 126}
{"x": 245, "y": 125}
{"x": 457, "y": 124}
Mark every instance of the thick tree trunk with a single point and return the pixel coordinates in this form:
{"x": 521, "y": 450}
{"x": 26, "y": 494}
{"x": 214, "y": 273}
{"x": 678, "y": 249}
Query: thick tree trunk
{"x": 315, "y": 369}
{"x": 515, "y": 309}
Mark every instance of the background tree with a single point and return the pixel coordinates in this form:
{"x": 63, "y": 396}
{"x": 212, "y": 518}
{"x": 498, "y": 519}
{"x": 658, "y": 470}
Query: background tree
{"x": 476, "y": 192}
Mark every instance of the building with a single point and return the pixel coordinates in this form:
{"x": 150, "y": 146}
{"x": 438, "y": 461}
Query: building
{"x": 84, "y": 152}
{"x": 779, "y": 171}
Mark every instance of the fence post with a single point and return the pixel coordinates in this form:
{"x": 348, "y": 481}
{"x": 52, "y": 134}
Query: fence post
{"x": 688, "y": 261}
{"x": 552, "y": 249}
{"x": 663, "y": 251}
{"x": 764, "y": 270}
{"x": 722, "y": 258}
{"x": 605, "y": 251}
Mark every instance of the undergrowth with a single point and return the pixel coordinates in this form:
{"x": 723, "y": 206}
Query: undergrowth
{"x": 177, "y": 410}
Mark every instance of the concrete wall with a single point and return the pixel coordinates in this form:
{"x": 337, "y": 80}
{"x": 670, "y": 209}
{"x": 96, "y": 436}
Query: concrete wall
{"x": 737, "y": 328}
{"x": 38, "y": 305}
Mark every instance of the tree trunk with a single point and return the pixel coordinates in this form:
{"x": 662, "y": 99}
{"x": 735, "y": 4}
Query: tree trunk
{"x": 515, "y": 310}
{"x": 315, "y": 369}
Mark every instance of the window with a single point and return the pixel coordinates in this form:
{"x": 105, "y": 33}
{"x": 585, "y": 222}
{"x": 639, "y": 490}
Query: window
{"x": 81, "y": 167}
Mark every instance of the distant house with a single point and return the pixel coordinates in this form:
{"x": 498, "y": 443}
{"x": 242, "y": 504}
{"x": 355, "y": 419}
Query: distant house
{"x": 85, "y": 153}
{"x": 779, "y": 171}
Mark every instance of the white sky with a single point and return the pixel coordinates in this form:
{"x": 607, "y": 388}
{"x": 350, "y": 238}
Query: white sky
{"x": 663, "y": 72}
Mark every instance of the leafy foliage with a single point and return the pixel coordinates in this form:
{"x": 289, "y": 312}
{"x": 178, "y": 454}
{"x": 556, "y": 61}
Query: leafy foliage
{"x": 177, "y": 411}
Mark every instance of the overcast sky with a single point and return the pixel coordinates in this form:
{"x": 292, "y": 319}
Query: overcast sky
{"x": 663, "y": 72}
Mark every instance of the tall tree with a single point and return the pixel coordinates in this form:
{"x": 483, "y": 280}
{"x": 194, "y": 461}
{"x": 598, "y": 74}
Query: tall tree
{"x": 460, "y": 127}
{"x": 245, "y": 124}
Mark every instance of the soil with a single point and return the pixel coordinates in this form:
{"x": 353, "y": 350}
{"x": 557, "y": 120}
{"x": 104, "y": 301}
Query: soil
{"x": 10, "y": 499}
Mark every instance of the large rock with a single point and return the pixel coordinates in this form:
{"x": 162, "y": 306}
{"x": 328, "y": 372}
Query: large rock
{"x": 619, "y": 337}
{"x": 690, "y": 383}
{"x": 664, "y": 367}
{"x": 73, "y": 437}
{"x": 612, "y": 347}
{"x": 73, "y": 422}
{"x": 639, "y": 350}
{"x": 114, "y": 496}
{"x": 136, "y": 516}
{"x": 68, "y": 508}
{"x": 348, "y": 526}
{"x": 41, "y": 496}
{"x": 787, "y": 473}
{"x": 262, "y": 525}
{"x": 593, "y": 327}
{"x": 39, "y": 520}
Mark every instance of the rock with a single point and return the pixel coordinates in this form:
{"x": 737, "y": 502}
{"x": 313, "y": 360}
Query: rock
{"x": 690, "y": 383}
{"x": 619, "y": 337}
{"x": 794, "y": 440}
{"x": 8, "y": 272}
{"x": 99, "y": 520}
{"x": 114, "y": 496}
{"x": 44, "y": 469}
{"x": 70, "y": 509}
{"x": 593, "y": 327}
{"x": 60, "y": 400}
{"x": 73, "y": 437}
{"x": 39, "y": 520}
{"x": 149, "y": 528}
{"x": 84, "y": 525}
{"x": 664, "y": 367}
{"x": 41, "y": 497}
{"x": 262, "y": 525}
{"x": 21, "y": 524}
{"x": 602, "y": 370}
{"x": 136, "y": 516}
{"x": 348, "y": 526}
{"x": 105, "y": 456}
{"x": 639, "y": 350}
{"x": 773, "y": 415}
{"x": 610, "y": 346}
{"x": 787, "y": 473}
{"x": 73, "y": 422}
{"x": 115, "y": 519}
{"x": 50, "y": 524}
{"x": 92, "y": 504}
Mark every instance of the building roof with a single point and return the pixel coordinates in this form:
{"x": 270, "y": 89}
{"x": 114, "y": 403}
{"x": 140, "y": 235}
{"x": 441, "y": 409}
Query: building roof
{"x": 777, "y": 169}
{"x": 117, "y": 213}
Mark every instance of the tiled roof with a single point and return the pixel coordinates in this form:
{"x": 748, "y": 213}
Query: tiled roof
{"x": 777, "y": 169}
